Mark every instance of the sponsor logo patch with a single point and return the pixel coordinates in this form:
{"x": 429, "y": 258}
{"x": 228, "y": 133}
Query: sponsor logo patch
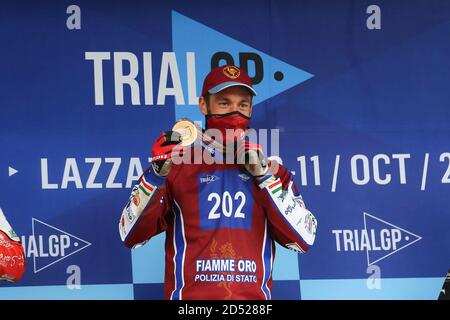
{"x": 295, "y": 247}
{"x": 244, "y": 177}
{"x": 209, "y": 178}
{"x": 231, "y": 72}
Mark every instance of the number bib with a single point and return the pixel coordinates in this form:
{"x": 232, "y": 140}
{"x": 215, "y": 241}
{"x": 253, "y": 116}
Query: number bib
{"x": 225, "y": 200}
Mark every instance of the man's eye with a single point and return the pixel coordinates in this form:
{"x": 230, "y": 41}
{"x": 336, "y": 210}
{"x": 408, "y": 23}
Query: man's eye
{"x": 223, "y": 103}
{"x": 244, "y": 106}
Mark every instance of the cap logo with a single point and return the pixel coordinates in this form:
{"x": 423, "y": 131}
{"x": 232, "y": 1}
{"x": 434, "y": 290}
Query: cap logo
{"x": 231, "y": 72}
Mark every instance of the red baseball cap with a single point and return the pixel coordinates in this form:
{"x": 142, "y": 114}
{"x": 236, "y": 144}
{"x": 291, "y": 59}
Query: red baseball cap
{"x": 224, "y": 77}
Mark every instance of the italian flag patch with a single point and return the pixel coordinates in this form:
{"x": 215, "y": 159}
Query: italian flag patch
{"x": 146, "y": 187}
{"x": 275, "y": 187}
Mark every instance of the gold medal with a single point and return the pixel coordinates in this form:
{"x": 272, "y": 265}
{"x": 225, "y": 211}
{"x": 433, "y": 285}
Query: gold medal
{"x": 188, "y": 131}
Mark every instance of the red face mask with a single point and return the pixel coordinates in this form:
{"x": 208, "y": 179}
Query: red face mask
{"x": 233, "y": 120}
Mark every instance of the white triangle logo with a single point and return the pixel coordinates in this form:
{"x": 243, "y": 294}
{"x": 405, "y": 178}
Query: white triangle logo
{"x": 191, "y": 36}
{"x": 70, "y": 246}
{"x": 409, "y": 238}
{"x": 11, "y": 171}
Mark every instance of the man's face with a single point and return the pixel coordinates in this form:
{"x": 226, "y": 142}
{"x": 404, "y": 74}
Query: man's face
{"x": 236, "y": 98}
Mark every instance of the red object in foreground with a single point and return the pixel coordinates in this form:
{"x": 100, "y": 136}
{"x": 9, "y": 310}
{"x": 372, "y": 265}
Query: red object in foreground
{"x": 12, "y": 258}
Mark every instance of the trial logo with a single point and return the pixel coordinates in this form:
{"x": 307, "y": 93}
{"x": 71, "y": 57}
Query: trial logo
{"x": 49, "y": 245}
{"x": 196, "y": 49}
{"x": 379, "y": 239}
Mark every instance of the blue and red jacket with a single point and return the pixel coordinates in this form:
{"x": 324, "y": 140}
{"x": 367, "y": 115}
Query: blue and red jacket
{"x": 220, "y": 226}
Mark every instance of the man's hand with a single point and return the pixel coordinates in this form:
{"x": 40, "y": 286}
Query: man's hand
{"x": 252, "y": 157}
{"x": 163, "y": 150}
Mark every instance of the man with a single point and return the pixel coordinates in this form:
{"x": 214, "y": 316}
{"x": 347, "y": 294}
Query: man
{"x": 220, "y": 219}
{"x": 12, "y": 257}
